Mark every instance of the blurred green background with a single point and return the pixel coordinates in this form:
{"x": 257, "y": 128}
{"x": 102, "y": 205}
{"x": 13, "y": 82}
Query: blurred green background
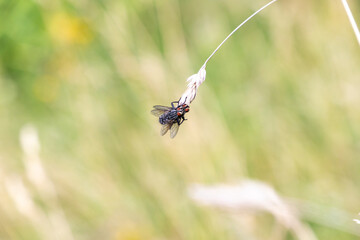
{"x": 280, "y": 105}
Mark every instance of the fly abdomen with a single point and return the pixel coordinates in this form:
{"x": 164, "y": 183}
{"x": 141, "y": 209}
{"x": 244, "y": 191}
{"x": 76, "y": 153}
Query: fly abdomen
{"x": 162, "y": 120}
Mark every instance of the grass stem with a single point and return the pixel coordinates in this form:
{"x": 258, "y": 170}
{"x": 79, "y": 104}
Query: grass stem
{"x": 352, "y": 20}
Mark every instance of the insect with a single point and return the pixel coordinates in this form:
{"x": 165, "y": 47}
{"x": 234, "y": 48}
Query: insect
{"x": 171, "y": 117}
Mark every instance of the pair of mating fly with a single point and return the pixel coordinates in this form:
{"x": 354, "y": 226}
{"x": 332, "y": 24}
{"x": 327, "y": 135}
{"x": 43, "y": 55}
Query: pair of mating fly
{"x": 171, "y": 117}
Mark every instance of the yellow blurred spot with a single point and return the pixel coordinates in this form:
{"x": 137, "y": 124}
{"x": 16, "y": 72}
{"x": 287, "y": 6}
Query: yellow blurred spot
{"x": 68, "y": 29}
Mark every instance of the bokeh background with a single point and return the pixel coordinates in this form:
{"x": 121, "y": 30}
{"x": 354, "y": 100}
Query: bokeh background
{"x": 81, "y": 156}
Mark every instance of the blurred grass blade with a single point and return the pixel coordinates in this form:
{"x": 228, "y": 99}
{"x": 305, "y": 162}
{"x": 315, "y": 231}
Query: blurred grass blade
{"x": 352, "y": 20}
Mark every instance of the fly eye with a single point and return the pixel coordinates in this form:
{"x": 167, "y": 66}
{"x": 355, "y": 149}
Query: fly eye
{"x": 179, "y": 113}
{"x": 178, "y": 109}
{"x": 187, "y": 109}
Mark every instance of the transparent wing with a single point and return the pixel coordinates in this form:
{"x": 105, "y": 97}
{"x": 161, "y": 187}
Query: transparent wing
{"x": 159, "y": 110}
{"x": 165, "y": 128}
{"x": 174, "y": 130}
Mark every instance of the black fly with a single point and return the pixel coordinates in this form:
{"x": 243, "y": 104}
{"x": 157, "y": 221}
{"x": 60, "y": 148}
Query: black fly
{"x": 170, "y": 117}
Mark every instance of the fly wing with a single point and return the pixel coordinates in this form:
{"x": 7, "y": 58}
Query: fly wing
{"x": 159, "y": 110}
{"x": 174, "y": 130}
{"x": 165, "y": 128}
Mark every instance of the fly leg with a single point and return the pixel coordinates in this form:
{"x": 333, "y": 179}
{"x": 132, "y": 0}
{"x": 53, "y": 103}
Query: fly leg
{"x": 181, "y": 120}
{"x": 172, "y": 103}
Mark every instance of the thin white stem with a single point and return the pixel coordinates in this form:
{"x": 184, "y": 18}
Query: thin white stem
{"x": 352, "y": 20}
{"x": 195, "y": 80}
{"x": 236, "y": 30}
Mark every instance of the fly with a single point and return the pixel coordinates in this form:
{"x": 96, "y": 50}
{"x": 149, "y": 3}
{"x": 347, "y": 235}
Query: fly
{"x": 170, "y": 117}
